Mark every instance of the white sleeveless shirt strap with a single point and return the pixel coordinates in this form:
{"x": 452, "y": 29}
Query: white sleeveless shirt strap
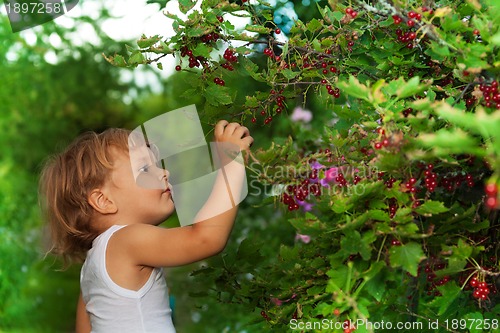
{"x": 113, "y": 308}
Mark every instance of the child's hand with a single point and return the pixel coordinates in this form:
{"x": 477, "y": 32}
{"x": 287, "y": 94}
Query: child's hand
{"x": 233, "y": 133}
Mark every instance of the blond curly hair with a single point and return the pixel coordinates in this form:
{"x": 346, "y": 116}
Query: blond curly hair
{"x": 65, "y": 183}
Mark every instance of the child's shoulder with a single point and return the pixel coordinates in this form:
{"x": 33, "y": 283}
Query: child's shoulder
{"x": 133, "y": 232}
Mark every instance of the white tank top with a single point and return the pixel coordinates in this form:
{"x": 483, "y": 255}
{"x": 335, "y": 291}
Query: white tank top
{"x": 115, "y": 309}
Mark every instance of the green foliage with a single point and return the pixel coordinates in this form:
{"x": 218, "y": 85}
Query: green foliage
{"x": 389, "y": 180}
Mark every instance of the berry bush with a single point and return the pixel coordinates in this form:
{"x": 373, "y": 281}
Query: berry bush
{"x": 392, "y": 188}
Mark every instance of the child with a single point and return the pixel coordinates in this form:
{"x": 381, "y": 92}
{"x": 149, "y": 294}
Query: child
{"x": 97, "y": 211}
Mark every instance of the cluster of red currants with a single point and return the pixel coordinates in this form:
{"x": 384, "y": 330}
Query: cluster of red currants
{"x": 384, "y": 141}
{"x": 450, "y": 183}
{"x": 219, "y": 81}
{"x": 491, "y": 190}
{"x": 270, "y": 53}
{"x": 230, "y": 57}
{"x": 210, "y": 37}
{"x": 341, "y": 181}
{"x": 393, "y": 208}
{"x": 351, "y": 12}
{"x": 274, "y": 97}
{"x": 396, "y": 242}
{"x": 491, "y": 96}
{"x": 481, "y": 288}
{"x": 301, "y": 191}
{"x": 430, "y": 269}
{"x": 407, "y": 112}
{"x": 431, "y": 181}
{"x": 335, "y": 92}
{"x": 406, "y": 37}
{"x": 412, "y": 16}
{"x": 194, "y": 61}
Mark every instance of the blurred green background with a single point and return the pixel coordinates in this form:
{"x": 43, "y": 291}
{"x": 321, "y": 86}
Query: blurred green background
{"x": 53, "y": 87}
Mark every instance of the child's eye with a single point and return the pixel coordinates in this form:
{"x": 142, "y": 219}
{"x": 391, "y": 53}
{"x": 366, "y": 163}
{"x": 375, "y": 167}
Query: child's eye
{"x": 144, "y": 168}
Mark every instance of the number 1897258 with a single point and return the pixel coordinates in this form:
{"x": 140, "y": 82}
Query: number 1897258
{"x": 34, "y": 8}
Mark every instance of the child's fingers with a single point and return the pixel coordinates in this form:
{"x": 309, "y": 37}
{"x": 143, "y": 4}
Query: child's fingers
{"x": 247, "y": 141}
{"x": 219, "y": 128}
{"x": 241, "y": 132}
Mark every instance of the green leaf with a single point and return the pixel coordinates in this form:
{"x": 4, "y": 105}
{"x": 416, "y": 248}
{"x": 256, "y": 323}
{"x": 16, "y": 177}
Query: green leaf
{"x": 341, "y": 205}
{"x": 196, "y": 32}
{"x": 455, "y": 116}
{"x": 189, "y": 93}
{"x": 338, "y": 278}
{"x": 309, "y": 224}
{"x": 186, "y": 5}
{"x": 355, "y": 88}
{"x": 431, "y": 207}
{"x": 474, "y": 318}
{"x": 251, "y": 68}
{"x": 145, "y": 42}
{"x": 258, "y": 28}
{"x": 116, "y": 60}
{"x": 437, "y": 51}
{"x": 376, "y": 287}
{"x": 458, "y": 258}
{"x": 249, "y": 251}
{"x": 449, "y": 292}
{"x": 495, "y": 39}
{"x": 352, "y": 243}
{"x": 409, "y": 88}
{"x": 314, "y": 25}
{"x": 217, "y": 95}
{"x": 136, "y": 58}
{"x": 407, "y": 256}
{"x": 202, "y": 50}
{"x": 289, "y": 74}
{"x": 451, "y": 141}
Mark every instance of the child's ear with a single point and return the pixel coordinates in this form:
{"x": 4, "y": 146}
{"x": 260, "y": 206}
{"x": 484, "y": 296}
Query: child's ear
{"x": 101, "y": 202}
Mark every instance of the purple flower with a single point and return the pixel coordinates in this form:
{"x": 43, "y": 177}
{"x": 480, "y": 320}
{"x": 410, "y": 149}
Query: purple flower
{"x": 304, "y": 238}
{"x": 316, "y": 165}
{"x": 330, "y": 176}
{"x": 306, "y": 206}
{"x": 299, "y": 114}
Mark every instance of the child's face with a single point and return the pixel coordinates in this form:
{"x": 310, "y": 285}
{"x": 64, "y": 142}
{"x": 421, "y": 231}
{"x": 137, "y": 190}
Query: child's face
{"x": 140, "y": 188}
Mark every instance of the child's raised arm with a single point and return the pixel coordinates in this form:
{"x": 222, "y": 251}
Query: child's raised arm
{"x": 148, "y": 245}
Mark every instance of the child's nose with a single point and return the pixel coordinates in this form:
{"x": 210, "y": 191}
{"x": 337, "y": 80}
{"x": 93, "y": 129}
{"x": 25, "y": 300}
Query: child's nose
{"x": 163, "y": 175}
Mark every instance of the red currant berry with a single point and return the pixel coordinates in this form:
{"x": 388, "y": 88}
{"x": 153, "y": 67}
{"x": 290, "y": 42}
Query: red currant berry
{"x": 491, "y": 202}
{"x": 277, "y": 31}
{"x": 491, "y": 189}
